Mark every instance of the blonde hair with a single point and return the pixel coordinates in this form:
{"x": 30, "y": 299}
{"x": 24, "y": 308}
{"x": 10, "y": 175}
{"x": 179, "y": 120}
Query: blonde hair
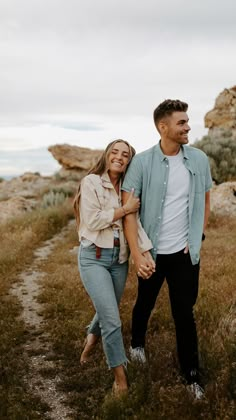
{"x": 99, "y": 168}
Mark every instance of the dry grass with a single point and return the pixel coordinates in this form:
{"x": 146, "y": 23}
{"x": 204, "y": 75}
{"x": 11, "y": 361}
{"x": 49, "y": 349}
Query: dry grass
{"x": 19, "y": 238}
{"x": 156, "y": 391}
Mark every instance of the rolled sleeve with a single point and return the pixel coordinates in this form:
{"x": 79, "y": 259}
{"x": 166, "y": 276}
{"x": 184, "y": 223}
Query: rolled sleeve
{"x": 208, "y": 184}
{"x": 91, "y": 210}
{"x": 133, "y": 177}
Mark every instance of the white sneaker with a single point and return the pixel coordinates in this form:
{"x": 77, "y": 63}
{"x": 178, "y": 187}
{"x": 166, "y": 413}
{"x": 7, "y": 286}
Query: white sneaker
{"x": 137, "y": 354}
{"x": 197, "y": 391}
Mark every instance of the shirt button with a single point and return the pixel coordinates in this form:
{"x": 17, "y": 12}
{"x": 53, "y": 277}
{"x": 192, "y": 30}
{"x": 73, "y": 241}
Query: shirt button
{"x": 164, "y": 183}
{"x": 159, "y": 217}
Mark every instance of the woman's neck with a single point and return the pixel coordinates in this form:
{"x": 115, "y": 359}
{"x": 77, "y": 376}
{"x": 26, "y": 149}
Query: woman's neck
{"x": 115, "y": 180}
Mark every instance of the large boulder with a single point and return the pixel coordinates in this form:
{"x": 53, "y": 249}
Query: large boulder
{"x": 27, "y": 192}
{"x": 223, "y": 199}
{"x": 75, "y": 157}
{"x": 221, "y": 120}
{"x": 15, "y": 206}
{"x": 28, "y": 185}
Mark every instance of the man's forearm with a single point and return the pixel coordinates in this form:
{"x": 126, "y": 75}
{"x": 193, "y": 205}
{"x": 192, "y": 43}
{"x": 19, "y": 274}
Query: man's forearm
{"x": 207, "y": 210}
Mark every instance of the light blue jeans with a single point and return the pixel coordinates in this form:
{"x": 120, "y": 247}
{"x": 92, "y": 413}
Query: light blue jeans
{"x": 104, "y": 280}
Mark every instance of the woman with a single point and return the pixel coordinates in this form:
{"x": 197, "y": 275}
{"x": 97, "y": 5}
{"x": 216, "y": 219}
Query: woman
{"x": 103, "y": 252}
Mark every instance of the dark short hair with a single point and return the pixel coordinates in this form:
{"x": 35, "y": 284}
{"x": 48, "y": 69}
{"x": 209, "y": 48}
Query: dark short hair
{"x": 167, "y": 108}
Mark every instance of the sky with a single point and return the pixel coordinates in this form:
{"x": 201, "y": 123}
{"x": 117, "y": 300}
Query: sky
{"x": 88, "y": 72}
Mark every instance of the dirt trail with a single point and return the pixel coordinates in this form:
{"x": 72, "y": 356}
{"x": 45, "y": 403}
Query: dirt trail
{"x": 38, "y": 347}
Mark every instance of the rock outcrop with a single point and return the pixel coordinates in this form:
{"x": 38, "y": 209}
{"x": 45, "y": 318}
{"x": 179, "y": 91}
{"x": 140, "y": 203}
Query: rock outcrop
{"x": 27, "y": 192}
{"x": 74, "y": 157}
{"x": 15, "y": 206}
{"x": 28, "y": 185}
{"x": 223, "y": 199}
{"x": 221, "y": 120}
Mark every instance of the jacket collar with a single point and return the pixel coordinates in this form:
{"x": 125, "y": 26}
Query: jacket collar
{"x": 106, "y": 182}
{"x": 105, "y": 178}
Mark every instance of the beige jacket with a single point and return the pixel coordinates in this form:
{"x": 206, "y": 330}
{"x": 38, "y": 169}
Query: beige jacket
{"x": 98, "y": 201}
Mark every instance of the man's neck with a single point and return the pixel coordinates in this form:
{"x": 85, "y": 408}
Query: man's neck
{"x": 169, "y": 149}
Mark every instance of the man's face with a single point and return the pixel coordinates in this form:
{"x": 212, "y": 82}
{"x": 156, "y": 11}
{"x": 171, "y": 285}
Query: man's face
{"x": 176, "y": 127}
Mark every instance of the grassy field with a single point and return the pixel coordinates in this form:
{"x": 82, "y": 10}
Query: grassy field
{"x": 19, "y": 238}
{"x": 156, "y": 391}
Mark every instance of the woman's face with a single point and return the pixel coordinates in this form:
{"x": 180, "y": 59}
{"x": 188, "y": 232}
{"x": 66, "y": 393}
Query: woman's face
{"x": 118, "y": 158}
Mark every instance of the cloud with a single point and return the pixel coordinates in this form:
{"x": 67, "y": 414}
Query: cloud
{"x": 86, "y": 71}
{"x": 113, "y": 58}
{"x": 36, "y": 160}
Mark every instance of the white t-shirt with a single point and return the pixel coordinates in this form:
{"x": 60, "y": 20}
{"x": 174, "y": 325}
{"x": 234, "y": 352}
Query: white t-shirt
{"x": 175, "y": 220}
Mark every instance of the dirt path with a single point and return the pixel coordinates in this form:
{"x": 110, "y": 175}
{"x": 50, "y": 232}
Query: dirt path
{"x": 38, "y": 347}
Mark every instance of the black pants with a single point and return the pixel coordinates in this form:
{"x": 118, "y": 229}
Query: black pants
{"x": 182, "y": 278}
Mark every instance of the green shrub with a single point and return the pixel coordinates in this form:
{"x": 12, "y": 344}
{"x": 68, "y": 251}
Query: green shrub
{"x": 53, "y": 198}
{"x": 222, "y": 156}
{"x": 67, "y": 190}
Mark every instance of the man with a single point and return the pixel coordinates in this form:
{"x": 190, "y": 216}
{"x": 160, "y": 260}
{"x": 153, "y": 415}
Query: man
{"x": 173, "y": 182}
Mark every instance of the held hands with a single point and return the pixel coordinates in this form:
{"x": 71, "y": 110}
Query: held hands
{"x": 132, "y": 204}
{"x": 145, "y": 265}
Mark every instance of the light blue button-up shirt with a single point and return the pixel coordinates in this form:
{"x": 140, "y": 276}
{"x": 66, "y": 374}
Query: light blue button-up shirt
{"x": 148, "y": 174}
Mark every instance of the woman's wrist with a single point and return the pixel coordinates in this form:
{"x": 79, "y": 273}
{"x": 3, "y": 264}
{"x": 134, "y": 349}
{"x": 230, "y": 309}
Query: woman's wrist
{"x": 124, "y": 210}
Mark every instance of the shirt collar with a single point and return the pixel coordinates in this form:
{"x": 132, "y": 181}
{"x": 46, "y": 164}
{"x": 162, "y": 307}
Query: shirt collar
{"x": 163, "y": 157}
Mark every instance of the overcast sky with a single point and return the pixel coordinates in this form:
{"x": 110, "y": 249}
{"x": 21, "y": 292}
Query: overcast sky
{"x": 87, "y": 72}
